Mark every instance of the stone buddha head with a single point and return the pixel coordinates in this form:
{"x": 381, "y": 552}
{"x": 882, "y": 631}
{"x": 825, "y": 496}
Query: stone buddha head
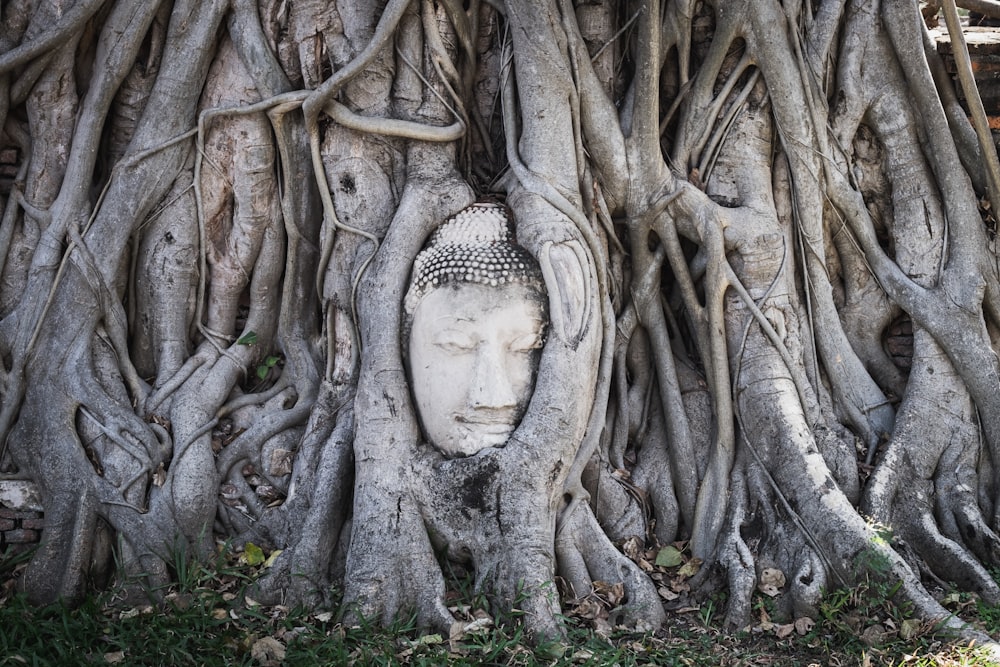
{"x": 476, "y": 313}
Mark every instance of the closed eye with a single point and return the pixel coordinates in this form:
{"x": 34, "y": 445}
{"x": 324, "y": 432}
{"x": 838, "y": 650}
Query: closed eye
{"x": 527, "y": 343}
{"x": 455, "y": 343}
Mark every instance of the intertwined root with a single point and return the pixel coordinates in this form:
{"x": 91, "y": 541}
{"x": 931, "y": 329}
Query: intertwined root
{"x": 211, "y": 342}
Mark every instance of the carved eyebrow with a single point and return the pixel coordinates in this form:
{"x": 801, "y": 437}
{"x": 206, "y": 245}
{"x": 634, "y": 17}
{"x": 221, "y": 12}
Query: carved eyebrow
{"x": 446, "y": 334}
{"x": 444, "y": 320}
{"x": 537, "y": 325}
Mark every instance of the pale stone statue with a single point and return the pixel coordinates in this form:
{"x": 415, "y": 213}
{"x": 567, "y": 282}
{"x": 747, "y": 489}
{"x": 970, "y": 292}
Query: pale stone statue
{"x": 476, "y": 312}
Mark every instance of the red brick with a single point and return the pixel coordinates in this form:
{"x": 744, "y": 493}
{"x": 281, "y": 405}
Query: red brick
{"x": 7, "y": 513}
{"x": 6, "y": 524}
{"x": 21, "y": 536}
{"x": 33, "y": 524}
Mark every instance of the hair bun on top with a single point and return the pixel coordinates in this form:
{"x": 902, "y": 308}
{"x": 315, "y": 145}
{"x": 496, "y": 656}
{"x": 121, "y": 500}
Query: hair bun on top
{"x": 473, "y": 246}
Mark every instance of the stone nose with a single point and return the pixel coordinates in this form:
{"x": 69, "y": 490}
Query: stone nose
{"x": 491, "y": 387}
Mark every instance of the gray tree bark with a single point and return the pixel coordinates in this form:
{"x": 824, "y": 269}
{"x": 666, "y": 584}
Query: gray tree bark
{"x": 737, "y": 207}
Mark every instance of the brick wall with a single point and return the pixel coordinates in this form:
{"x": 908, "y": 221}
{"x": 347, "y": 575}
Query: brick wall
{"x": 8, "y": 168}
{"x": 19, "y": 529}
{"x": 984, "y": 51}
{"x": 21, "y": 518}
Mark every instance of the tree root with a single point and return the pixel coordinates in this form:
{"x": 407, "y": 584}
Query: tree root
{"x": 586, "y": 556}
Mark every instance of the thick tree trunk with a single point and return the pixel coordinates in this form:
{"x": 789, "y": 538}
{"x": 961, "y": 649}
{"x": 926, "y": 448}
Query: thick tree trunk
{"x": 737, "y": 208}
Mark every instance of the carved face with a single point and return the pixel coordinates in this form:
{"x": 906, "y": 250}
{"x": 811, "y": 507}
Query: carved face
{"x": 473, "y": 353}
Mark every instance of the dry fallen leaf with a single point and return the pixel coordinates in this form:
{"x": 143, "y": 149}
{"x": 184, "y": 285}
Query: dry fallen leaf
{"x": 765, "y": 621}
{"x": 909, "y": 628}
{"x": 666, "y": 593}
{"x": 784, "y": 630}
{"x": 478, "y": 625}
{"x": 772, "y": 580}
{"x": 632, "y": 547}
{"x": 690, "y": 568}
{"x": 273, "y": 557}
{"x": 803, "y": 625}
{"x": 602, "y": 628}
{"x": 268, "y": 652}
{"x": 114, "y": 657}
{"x": 610, "y": 594}
{"x": 875, "y": 635}
{"x": 281, "y": 462}
{"x": 588, "y": 608}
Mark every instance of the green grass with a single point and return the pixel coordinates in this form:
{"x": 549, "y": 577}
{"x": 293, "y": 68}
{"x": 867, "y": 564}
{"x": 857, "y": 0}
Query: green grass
{"x": 207, "y": 620}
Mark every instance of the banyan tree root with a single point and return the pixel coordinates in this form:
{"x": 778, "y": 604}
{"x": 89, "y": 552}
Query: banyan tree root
{"x": 735, "y": 207}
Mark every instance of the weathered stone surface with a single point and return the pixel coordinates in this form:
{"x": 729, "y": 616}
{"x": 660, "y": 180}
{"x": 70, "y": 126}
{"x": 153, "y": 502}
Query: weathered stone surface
{"x": 478, "y": 319}
{"x": 20, "y": 494}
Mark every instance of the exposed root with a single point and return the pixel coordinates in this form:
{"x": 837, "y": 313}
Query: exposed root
{"x": 590, "y": 557}
{"x": 730, "y": 204}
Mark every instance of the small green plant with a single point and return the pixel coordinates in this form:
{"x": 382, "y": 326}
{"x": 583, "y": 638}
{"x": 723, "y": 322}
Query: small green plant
{"x": 11, "y": 559}
{"x": 249, "y": 338}
{"x": 265, "y": 368}
{"x": 989, "y": 616}
{"x": 707, "y": 612}
{"x": 836, "y": 602}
